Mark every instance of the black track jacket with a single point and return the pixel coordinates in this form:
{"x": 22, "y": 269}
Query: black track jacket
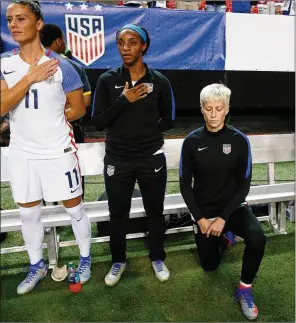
{"x": 134, "y": 129}
{"x": 221, "y": 165}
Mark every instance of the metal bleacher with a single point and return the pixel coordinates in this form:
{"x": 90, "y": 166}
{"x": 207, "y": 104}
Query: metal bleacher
{"x": 267, "y": 149}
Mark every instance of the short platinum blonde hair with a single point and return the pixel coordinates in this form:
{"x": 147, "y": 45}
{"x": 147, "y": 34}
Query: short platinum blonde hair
{"x": 215, "y": 92}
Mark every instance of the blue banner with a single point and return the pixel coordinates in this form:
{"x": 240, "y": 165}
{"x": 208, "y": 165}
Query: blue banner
{"x": 180, "y": 40}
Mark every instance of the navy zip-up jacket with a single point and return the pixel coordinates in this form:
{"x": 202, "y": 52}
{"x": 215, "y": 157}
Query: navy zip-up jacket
{"x": 220, "y": 165}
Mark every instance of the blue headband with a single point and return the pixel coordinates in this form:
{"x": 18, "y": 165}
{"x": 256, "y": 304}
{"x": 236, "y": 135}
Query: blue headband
{"x": 137, "y": 29}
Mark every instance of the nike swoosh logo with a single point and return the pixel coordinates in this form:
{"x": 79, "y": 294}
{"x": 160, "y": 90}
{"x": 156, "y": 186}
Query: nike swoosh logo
{"x": 5, "y": 73}
{"x": 118, "y": 86}
{"x": 74, "y": 190}
{"x": 157, "y": 170}
{"x": 200, "y": 149}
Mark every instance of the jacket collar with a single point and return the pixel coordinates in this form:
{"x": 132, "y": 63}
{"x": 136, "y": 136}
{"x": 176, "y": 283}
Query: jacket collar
{"x": 125, "y": 71}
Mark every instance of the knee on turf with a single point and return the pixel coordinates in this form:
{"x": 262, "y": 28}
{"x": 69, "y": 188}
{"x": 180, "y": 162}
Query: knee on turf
{"x": 209, "y": 265}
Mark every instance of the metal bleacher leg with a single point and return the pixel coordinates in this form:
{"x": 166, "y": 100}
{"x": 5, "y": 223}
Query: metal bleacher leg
{"x": 52, "y": 246}
{"x": 272, "y": 213}
{"x": 271, "y": 206}
{"x": 281, "y": 219}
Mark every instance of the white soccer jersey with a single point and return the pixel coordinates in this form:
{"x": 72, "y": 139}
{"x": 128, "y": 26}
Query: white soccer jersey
{"x": 38, "y": 125}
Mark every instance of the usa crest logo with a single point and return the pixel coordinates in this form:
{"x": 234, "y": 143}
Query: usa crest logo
{"x": 226, "y": 149}
{"x": 110, "y": 170}
{"x": 85, "y": 37}
{"x": 50, "y": 80}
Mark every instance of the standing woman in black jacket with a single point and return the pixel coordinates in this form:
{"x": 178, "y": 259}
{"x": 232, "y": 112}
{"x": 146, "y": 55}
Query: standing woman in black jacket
{"x": 136, "y": 104}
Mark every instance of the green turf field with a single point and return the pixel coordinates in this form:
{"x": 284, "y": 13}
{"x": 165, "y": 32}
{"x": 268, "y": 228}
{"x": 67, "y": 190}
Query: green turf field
{"x": 189, "y": 296}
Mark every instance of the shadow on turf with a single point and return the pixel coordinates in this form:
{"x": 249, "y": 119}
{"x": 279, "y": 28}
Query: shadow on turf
{"x": 233, "y": 254}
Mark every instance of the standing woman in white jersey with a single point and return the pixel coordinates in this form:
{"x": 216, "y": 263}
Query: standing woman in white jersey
{"x": 35, "y": 86}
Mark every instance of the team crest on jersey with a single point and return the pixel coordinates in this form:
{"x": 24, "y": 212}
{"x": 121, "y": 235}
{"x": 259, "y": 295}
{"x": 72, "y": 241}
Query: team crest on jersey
{"x": 226, "y": 149}
{"x": 110, "y": 170}
{"x": 50, "y": 80}
{"x": 85, "y": 37}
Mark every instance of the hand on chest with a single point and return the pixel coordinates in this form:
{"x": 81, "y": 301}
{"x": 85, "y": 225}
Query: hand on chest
{"x": 17, "y": 74}
{"x": 149, "y": 102}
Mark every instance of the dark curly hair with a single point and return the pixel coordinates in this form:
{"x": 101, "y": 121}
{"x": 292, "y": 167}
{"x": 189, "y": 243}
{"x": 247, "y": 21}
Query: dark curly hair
{"x": 50, "y": 33}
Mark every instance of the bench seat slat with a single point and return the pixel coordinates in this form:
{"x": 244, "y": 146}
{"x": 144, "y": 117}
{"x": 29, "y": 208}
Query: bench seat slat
{"x": 54, "y": 216}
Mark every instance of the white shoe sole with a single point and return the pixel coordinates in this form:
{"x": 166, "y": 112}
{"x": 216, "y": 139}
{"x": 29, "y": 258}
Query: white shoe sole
{"x": 84, "y": 281}
{"x": 110, "y": 284}
{"x": 163, "y": 279}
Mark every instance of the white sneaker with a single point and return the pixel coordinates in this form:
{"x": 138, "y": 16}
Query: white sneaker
{"x": 115, "y": 273}
{"x": 35, "y": 274}
{"x": 161, "y": 271}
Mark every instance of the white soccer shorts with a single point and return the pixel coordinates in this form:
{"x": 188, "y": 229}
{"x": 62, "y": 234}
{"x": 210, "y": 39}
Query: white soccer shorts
{"x": 56, "y": 179}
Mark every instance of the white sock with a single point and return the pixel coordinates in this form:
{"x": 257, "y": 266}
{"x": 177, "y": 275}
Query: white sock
{"x": 245, "y": 285}
{"x": 33, "y": 232}
{"x": 81, "y": 227}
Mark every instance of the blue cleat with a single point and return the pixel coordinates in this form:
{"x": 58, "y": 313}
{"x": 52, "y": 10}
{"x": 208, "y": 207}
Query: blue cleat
{"x": 35, "y": 274}
{"x": 232, "y": 240}
{"x": 84, "y": 269}
{"x": 245, "y": 297}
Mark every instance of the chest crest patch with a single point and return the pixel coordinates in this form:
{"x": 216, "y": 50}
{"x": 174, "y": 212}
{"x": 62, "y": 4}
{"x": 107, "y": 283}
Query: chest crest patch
{"x": 226, "y": 149}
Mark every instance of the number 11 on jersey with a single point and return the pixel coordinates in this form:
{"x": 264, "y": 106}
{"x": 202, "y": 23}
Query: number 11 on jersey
{"x": 27, "y": 99}
{"x": 69, "y": 175}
